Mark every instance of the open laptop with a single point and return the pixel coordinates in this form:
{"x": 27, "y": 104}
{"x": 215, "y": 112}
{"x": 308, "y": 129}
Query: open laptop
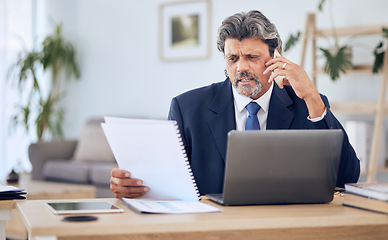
{"x": 280, "y": 167}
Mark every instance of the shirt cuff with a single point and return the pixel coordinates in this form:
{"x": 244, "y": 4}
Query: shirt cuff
{"x": 317, "y": 119}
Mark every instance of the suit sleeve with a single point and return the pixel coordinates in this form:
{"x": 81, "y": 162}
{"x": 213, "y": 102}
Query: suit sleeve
{"x": 176, "y": 114}
{"x": 349, "y": 168}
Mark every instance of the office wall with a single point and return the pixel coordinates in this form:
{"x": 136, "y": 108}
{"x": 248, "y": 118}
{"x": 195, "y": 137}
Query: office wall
{"x": 122, "y": 74}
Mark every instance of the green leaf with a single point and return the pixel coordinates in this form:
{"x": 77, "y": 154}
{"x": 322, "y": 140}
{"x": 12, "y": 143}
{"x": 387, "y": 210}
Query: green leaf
{"x": 320, "y": 6}
{"x": 27, "y": 63}
{"x": 385, "y": 32}
{"x": 379, "y": 57}
{"x": 379, "y": 52}
{"x": 58, "y": 53}
{"x": 292, "y": 40}
{"x": 337, "y": 61}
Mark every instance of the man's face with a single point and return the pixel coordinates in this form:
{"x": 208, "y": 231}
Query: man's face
{"x": 245, "y": 64}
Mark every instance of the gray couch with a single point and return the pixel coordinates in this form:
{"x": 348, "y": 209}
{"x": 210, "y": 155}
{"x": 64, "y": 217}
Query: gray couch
{"x": 88, "y": 160}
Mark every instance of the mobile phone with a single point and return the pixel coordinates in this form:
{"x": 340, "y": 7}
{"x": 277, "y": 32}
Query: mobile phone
{"x": 278, "y": 79}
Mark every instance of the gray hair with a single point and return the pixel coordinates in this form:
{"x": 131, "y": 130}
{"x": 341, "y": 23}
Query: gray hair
{"x": 247, "y": 25}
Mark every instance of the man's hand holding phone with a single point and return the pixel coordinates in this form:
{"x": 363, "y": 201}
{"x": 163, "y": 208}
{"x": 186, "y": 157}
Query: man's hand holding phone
{"x": 285, "y": 72}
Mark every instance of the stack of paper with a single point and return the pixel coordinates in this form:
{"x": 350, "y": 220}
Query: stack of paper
{"x": 372, "y": 196}
{"x": 154, "y": 206}
{"x": 152, "y": 150}
{"x": 378, "y": 191}
{"x": 11, "y": 192}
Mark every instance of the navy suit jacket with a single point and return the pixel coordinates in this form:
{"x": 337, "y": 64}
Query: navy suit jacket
{"x": 206, "y": 115}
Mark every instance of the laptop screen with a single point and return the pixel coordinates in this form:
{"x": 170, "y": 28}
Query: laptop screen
{"x": 281, "y": 166}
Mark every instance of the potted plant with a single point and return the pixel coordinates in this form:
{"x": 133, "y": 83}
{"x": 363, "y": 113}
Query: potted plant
{"x": 338, "y": 58}
{"x": 41, "y": 111}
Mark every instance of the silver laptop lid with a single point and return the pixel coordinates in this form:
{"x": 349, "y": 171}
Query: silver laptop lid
{"x": 281, "y": 166}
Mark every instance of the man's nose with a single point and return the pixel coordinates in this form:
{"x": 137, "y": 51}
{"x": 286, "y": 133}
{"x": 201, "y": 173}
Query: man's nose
{"x": 242, "y": 66}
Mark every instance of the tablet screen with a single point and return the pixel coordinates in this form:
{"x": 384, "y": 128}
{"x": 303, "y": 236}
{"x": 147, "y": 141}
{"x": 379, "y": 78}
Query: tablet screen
{"x": 82, "y": 207}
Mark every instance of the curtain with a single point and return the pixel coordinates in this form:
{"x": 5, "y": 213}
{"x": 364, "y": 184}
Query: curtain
{"x": 16, "y": 31}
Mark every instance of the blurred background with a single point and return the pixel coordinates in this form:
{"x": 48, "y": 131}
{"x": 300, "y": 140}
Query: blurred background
{"x": 122, "y": 73}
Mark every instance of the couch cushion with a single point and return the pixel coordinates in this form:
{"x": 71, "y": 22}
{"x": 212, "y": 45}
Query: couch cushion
{"x": 100, "y": 173}
{"x": 68, "y": 171}
{"x": 92, "y": 145}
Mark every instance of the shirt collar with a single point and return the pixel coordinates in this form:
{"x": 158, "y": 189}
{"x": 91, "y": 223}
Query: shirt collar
{"x": 241, "y": 101}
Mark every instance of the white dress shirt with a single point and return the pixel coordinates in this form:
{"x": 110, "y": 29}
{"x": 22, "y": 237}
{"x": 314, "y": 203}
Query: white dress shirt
{"x": 241, "y": 113}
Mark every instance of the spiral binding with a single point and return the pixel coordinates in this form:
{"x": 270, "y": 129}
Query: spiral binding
{"x": 186, "y": 159}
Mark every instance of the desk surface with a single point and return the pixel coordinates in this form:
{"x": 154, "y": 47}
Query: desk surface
{"x": 37, "y": 190}
{"x": 5, "y": 214}
{"x": 310, "y": 221}
{"x": 7, "y": 204}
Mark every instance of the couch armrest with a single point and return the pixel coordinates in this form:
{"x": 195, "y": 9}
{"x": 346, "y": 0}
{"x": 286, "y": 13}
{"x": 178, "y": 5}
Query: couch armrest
{"x": 40, "y": 152}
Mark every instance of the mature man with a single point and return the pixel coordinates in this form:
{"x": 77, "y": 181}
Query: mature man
{"x": 206, "y": 115}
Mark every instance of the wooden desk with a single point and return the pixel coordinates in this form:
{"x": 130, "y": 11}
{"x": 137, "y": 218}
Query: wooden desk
{"x": 43, "y": 190}
{"x": 321, "y": 221}
{"x": 5, "y": 214}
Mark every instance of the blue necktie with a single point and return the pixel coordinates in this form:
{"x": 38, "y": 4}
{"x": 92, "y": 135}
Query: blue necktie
{"x": 252, "y": 120}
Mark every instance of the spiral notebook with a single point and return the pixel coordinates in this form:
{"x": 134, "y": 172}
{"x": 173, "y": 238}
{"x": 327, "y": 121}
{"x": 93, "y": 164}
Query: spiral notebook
{"x": 152, "y": 150}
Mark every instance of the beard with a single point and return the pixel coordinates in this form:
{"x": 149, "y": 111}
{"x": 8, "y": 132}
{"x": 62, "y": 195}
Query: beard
{"x": 247, "y": 90}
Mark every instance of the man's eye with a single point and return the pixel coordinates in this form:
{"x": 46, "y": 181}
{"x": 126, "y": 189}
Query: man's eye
{"x": 252, "y": 57}
{"x": 232, "y": 59}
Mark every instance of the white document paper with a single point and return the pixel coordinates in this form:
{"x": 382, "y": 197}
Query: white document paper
{"x": 151, "y": 206}
{"x": 10, "y": 189}
{"x": 151, "y": 150}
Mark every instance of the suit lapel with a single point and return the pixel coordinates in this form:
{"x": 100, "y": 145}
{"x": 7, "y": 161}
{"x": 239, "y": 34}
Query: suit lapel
{"x": 223, "y": 119}
{"x": 279, "y": 114}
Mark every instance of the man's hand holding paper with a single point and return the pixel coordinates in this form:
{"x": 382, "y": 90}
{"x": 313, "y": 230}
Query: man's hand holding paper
{"x": 123, "y": 186}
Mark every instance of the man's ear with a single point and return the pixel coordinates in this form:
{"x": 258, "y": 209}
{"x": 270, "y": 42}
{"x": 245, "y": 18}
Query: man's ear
{"x": 226, "y": 73}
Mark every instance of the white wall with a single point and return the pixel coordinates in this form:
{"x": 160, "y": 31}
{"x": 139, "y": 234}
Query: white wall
{"x": 121, "y": 71}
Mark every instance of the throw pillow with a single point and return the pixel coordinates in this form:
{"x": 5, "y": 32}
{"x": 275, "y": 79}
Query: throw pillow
{"x": 92, "y": 145}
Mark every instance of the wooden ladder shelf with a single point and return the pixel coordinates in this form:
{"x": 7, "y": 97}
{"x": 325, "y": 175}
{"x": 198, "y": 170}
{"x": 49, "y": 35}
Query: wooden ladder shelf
{"x": 379, "y": 108}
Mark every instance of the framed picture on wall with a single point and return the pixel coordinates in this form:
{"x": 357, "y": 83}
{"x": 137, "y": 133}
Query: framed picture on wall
{"x": 184, "y": 30}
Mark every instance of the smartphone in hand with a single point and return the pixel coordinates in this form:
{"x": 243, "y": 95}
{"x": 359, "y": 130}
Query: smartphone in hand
{"x": 278, "y": 79}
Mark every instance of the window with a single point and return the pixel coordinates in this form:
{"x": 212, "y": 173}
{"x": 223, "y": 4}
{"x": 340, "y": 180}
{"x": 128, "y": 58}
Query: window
{"x": 16, "y": 34}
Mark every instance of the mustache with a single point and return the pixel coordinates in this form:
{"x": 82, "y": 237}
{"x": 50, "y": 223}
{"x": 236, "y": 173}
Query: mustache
{"x": 244, "y": 74}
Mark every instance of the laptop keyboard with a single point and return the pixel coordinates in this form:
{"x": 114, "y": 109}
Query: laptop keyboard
{"x": 217, "y": 197}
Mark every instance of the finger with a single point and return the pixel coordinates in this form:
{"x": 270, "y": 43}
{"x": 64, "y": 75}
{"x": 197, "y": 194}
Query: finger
{"x": 274, "y": 67}
{"x": 126, "y": 181}
{"x": 276, "y": 73}
{"x": 286, "y": 82}
{"x": 119, "y": 173}
{"x": 128, "y": 195}
{"x": 129, "y": 192}
{"x": 275, "y": 60}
